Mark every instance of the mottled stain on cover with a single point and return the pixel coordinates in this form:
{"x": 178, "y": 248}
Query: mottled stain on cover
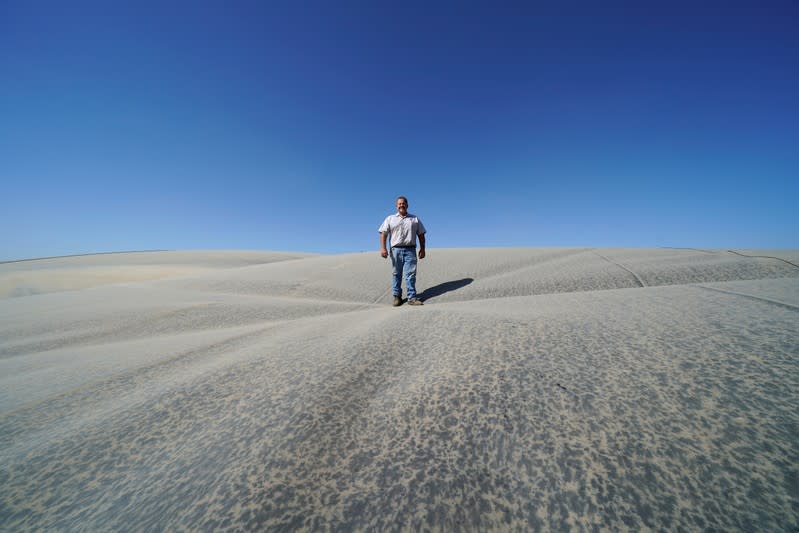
{"x": 272, "y": 398}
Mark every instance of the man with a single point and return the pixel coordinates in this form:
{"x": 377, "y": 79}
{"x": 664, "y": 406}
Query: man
{"x": 403, "y": 228}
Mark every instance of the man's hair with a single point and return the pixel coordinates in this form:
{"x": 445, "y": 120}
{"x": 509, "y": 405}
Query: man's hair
{"x": 401, "y": 198}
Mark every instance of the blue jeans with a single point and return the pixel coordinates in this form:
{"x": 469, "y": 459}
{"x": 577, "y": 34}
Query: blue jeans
{"x": 404, "y": 259}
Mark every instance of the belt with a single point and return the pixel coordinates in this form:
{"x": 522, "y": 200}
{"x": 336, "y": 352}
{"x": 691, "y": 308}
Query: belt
{"x": 405, "y": 246}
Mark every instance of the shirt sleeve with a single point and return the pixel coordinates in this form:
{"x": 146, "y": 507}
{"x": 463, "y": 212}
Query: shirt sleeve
{"x": 422, "y": 230}
{"x": 384, "y": 227}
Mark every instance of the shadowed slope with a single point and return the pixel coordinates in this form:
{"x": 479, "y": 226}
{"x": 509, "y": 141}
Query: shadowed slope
{"x": 365, "y": 277}
{"x": 494, "y": 273}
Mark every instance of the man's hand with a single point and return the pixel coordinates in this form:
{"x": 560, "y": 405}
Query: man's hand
{"x": 383, "y": 239}
{"x": 421, "y": 253}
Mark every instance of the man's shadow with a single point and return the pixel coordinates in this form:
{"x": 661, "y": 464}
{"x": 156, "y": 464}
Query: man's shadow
{"x": 438, "y": 290}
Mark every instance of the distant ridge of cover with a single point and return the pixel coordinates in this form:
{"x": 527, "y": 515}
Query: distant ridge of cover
{"x": 82, "y": 255}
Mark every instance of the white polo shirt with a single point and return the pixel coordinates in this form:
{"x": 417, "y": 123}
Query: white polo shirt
{"x": 403, "y": 230}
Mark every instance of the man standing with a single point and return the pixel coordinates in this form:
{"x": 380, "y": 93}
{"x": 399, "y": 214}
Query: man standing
{"x": 403, "y": 228}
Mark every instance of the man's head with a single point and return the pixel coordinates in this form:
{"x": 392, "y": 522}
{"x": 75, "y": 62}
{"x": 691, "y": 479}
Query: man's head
{"x": 402, "y": 205}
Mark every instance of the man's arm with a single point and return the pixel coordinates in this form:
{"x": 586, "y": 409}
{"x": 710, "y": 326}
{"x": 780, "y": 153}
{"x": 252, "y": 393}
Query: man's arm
{"x": 383, "y": 251}
{"x": 421, "y": 246}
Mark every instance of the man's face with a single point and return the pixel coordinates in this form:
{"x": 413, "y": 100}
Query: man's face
{"x": 402, "y": 206}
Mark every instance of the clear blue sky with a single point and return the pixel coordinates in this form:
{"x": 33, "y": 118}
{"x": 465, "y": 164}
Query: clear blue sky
{"x": 293, "y": 126}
